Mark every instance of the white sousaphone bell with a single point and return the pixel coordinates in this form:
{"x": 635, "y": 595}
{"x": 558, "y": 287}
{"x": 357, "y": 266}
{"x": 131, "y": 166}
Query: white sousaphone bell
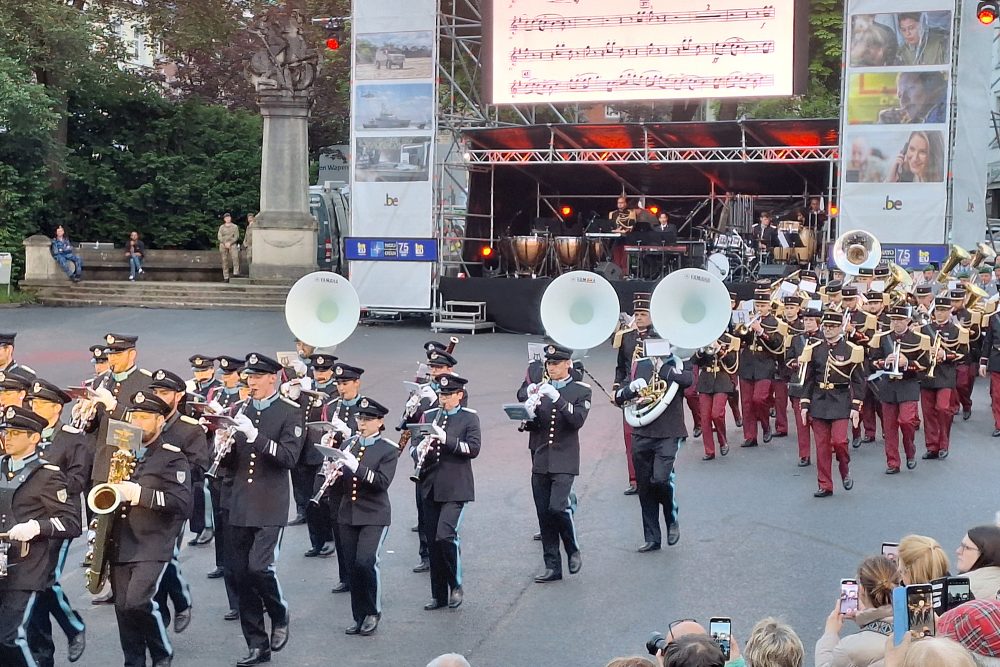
{"x": 322, "y": 309}
{"x": 579, "y": 310}
{"x": 855, "y": 250}
{"x": 689, "y": 309}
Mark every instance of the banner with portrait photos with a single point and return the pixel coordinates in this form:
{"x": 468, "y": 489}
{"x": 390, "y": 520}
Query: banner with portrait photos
{"x": 393, "y": 129}
{"x": 895, "y": 119}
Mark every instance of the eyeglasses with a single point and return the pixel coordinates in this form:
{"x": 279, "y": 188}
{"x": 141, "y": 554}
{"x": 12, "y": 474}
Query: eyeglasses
{"x": 673, "y": 624}
{"x": 963, "y": 547}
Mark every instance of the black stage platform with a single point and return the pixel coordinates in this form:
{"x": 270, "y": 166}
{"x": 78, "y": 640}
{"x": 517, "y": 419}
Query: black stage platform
{"x": 513, "y": 303}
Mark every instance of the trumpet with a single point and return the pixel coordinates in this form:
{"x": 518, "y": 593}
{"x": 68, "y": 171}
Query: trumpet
{"x": 86, "y": 408}
{"x": 895, "y": 372}
{"x": 423, "y": 448}
{"x": 332, "y": 471}
{"x": 227, "y": 438}
{"x": 935, "y": 348}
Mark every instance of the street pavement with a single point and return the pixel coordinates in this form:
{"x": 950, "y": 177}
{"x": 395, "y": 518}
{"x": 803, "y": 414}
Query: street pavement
{"x": 754, "y": 542}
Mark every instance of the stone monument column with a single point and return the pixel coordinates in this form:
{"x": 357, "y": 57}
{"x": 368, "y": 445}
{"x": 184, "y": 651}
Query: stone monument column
{"x": 283, "y": 72}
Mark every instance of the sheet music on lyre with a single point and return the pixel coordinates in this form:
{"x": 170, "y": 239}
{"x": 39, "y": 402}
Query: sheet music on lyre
{"x": 595, "y": 50}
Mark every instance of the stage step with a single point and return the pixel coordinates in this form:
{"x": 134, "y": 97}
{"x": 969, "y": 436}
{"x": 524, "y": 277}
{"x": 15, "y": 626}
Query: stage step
{"x": 148, "y": 294}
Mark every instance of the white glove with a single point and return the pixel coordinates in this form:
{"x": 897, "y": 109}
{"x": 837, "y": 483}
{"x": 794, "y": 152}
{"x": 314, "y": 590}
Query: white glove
{"x": 104, "y": 396}
{"x": 637, "y": 385}
{"x": 428, "y": 393}
{"x": 216, "y": 407}
{"x": 549, "y": 391}
{"x": 291, "y": 390}
{"x": 300, "y": 368}
{"x": 306, "y": 383}
{"x": 130, "y": 491}
{"x": 24, "y": 532}
{"x": 341, "y": 427}
{"x": 532, "y": 389}
{"x": 411, "y": 403}
{"x": 246, "y": 427}
{"x": 350, "y": 461}
{"x": 439, "y": 433}
{"x": 531, "y": 405}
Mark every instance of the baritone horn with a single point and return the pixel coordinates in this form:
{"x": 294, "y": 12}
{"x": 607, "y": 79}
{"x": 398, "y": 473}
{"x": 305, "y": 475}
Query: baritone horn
{"x": 322, "y": 309}
{"x": 984, "y": 253}
{"x": 956, "y": 254}
{"x": 580, "y": 310}
{"x": 855, "y": 250}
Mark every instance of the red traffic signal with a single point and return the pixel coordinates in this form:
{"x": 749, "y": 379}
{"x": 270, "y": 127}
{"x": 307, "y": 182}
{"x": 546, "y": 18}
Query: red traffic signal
{"x": 987, "y": 11}
{"x": 333, "y": 43}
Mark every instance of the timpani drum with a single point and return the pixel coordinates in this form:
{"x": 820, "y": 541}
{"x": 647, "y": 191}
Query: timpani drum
{"x": 569, "y": 250}
{"x": 529, "y": 253}
{"x": 598, "y": 251}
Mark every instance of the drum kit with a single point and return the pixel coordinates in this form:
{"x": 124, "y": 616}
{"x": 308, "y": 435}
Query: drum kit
{"x": 543, "y": 255}
{"x": 731, "y": 257}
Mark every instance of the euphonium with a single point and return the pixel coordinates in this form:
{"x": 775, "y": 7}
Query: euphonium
{"x": 956, "y": 254}
{"x": 984, "y": 253}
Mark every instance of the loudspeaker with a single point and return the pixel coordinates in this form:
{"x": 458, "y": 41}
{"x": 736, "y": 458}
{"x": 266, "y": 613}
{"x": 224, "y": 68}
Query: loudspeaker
{"x": 608, "y": 271}
{"x": 772, "y": 271}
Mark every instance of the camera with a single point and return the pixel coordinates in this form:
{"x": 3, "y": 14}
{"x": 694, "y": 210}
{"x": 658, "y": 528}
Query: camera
{"x": 657, "y": 642}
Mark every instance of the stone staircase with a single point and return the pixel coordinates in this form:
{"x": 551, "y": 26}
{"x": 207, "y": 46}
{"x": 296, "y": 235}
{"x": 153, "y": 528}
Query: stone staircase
{"x": 236, "y": 295}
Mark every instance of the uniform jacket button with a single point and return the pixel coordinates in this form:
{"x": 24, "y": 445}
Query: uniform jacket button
{"x": 250, "y": 480}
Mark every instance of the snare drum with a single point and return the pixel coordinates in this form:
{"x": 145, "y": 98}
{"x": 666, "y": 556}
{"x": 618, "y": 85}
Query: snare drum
{"x": 529, "y": 252}
{"x": 569, "y": 250}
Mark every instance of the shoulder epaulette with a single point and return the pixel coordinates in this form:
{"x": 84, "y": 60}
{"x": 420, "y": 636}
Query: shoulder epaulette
{"x": 50, "y": 466}
{"x": 292, "y": 403}
{"x": 857, "y": 352}
{"x": 583, "y": 384}
{"x": 171, "y": 448}
{"x": 190, "y": 420}
{"x": 470, "y": 410}
{"x": 391, "y": 442}
{"x": 145, "y": 372}
{"x": 71, "y": 429}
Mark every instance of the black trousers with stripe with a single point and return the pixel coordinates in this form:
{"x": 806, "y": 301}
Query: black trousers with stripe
{"x": 251, "y": 554}
{"x": 140, "y": 626}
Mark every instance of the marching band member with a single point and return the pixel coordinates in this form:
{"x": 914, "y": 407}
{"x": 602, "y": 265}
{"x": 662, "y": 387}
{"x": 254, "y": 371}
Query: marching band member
{"x": 99, "y": 358}
{"x": 365, "y": 512}
{"x": 227, "y": 393}
{"x": 859, "y": 327}
{"x": 156, "y": 500}
{"x": 924, "y": 295}
{"x": 717, "y": 367}
{"x": 901, "y": 355}
{"x": 989, "y": 364}
{"x": 734, "y": 397}
{"x": 202, "y": 523}
{"x": 966, "y": 367}
{"x": 446, "y": 484}
{"x": 832, "y": 297}
{"x": 832, "y": 386}
{"x": 949, "y": 345}
{"x": 203, "y": 368}
{"x": 796, "y": 389}
{"x": 265, "y": 447}
{"x": 7, "y": 362}
{"x": 318, "y": 514}
{"x": 627, "y": 342}
{"x": 14, "y": 387}
{"x": 792, "y": 326}
{"x": 36, "y": 517}
{"x": 560, "y": 407}
{"x": 72, "y": 451}
{"x": 760, "y": 342}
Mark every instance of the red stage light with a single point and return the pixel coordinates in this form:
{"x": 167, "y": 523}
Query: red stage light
{"x": 486, "y": 251}
{"x": 834, "y": 209}
{"x": 654, "y": 209}
{"x": 333, "y": 43}
{"x": 566, "y": 211}
{"x": 987, "y": 14}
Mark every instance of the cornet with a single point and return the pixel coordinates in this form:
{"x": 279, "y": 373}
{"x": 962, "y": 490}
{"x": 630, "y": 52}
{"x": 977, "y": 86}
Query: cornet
{"x": 224, "y": 444}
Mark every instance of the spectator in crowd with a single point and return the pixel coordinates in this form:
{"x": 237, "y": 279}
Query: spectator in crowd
{"x": 693, "y": 650}
{"x": 248, "y": 239}
{"x": 63, "y": 252}
{"x": 773, "y": 644}
{"x": 634, "y": 661}
{"x": 979, "y": 560}
{"x": 229, "y": 246}
{"x": 926, "y": 652}
{"x": 921, "y": 560}
{"x": 449, "y": 660}
{"x": 877, "y": 577}
{"x": 135, "y": 250}
{"x": 976, "y": 626}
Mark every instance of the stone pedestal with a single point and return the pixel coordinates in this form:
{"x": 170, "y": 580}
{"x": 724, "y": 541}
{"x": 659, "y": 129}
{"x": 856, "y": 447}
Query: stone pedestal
{"x": 38, "y": 261}
{"x": 284, "y": 236}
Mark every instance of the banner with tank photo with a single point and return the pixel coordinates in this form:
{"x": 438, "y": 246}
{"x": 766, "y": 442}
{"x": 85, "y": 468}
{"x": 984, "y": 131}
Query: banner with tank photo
{"x": 393, "y": 124}
{"x": 894, "y": 119}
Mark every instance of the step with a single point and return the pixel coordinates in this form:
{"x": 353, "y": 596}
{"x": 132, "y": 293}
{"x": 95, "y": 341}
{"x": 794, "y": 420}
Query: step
{"x": 205, "y": 305}
{"x": 145, "y": 286}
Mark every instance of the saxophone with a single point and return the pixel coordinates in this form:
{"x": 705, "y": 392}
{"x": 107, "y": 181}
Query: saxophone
{"x": 104, "y": 501}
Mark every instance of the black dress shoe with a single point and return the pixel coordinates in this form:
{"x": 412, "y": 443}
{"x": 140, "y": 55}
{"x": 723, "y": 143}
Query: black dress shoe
{"x": 107, "y": 598}
{"x": 342, "y": 587}
{"x": 723, "y": 449}
{"x": 279, "y": 635}
{"x": 163, "y": 662}
{"x": 456, "y": 597}
{"x": 298, "y": 520}
{"x": 781, "y": 435}
{"x": 537, "y": 537}
{"x": 575, "y": 562}
{"x": 547, "y": 576}
{"x": 822, "y": 493}
{"x": 648, "y": 546}
{"x": 203, "y": 538}
{"x": 966, "y": 414}
{"x": 804, "y": 463}
{"x": 943, "y": 454}
{"x": 930, "y": 455}
{"x": 696, "y": 433}
{"x": 848, "y": 483}
{"x": 217, "y": 573}
{"x": 257, "y": 656}
{"x": 423, "y": 566}
{"x": 352, "y": 629}
{"x": 76, "y": 646}
{"x": 312, "y": 553}
{"x": 328, "y": 550}
{"x": 631, "y": 490}
{"x": 996, "y": 433}
{"x": 369, "y": 625}
{"x": 182, "y": 620}
{"x": 892, "y": 470}
{"x": 855, "y": 442}
{"x": 708, "y": 457}
{"x": 767, "y": 437}
{"x": 911, "y": 464}
{"x": 867, "y": 439}
{"x": 434, "y": 604}
{"x": 749, "y": 443}
{"x": 673, "y": 533}
{"x": 231, "y": 615}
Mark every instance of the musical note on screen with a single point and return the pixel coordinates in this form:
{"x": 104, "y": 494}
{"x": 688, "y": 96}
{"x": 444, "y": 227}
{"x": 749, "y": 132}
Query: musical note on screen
{"x": 630, "y": 80}
{"x": 544, "y": 22}
{"x": 734, "y": 46}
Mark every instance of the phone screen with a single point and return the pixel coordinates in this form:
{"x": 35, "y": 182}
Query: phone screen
{"x": 920, "y": 609}
{"x": 848, "y": 596}
{"x": 891, "y": 550}
{"x": 720, "y": 629}
{"x": 959, "y": 592}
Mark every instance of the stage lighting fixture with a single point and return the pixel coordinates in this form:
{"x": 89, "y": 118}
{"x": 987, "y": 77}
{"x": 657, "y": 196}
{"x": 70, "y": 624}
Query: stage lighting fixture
{"x": 333, "y": 28}
{"x": 834, "y": 209}
{"x": 566, "y": 211}
{"x": 987, "y": 11}
{"x": 491, "y": 260}
{"x": 486, "y": 251}
{"x": 654, "y": 209}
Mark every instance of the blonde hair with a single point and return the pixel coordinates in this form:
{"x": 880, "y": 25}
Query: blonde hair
{"x": 773, "y": 644}
{"x": 937, "y": 652}
{"x": 922, "y": 559}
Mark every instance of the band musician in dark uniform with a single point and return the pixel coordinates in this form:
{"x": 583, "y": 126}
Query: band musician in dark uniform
{"x": 446, "y": 484}
{"x": 717, "y": 366}
{"x": 558, "y": 409}
{"x": 949, "y": 346}
{"x": 264, "y": 447}
{"x": 654, "y": 447}
{"x": 366, "y": 471}
{"x": 764, "y": 235}
{"x": 37, "y": 516}
{"x": 318, "y": 514}
{"x": 627, "y": 342}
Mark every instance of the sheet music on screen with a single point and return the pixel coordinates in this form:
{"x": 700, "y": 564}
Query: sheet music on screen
{"x": 595, "y": 50}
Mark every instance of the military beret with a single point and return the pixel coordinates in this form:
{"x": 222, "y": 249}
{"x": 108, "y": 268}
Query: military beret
{"x": 345, "y": 372}
{"x": 15, "y": 417}
{"x": 164, "y": 379}
{"x": 450, "y": 383}
{"x": 142, "y": 401}
{"x": 368, "y": 407}
{"x": 46, "y": 391}
{"x": 259, "y": 364}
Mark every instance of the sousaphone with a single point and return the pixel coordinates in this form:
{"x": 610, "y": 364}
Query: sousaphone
{"x": 322, "y": 309}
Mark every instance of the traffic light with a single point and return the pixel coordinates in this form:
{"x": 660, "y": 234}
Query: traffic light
{"x": 987, "y": 11}
{"x": 334, "y": 28}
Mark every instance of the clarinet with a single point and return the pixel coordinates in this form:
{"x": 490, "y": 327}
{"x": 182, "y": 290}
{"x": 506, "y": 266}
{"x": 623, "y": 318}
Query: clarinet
{"x": 226, "y": 446}
{"x": 330, "y": 477}
{"x": 423, "y": 447}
